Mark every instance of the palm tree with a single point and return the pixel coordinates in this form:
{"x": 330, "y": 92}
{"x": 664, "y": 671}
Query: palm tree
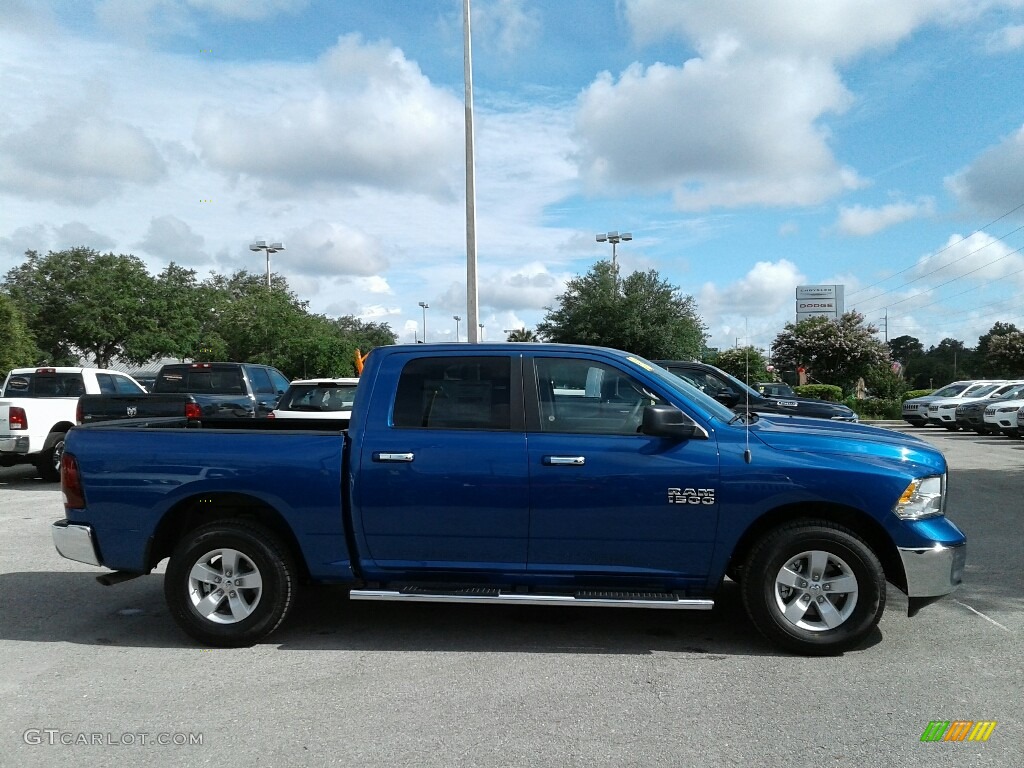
{"x": 522, "y": 334}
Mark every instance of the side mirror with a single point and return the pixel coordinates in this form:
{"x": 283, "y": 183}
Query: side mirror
{"x": 669, "y": 421}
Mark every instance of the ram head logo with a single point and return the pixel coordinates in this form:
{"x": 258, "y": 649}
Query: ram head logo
{"x": 132, "y": 411}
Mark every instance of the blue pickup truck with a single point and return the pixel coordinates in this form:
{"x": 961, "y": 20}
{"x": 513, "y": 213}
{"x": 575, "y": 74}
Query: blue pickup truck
{"x": 535, "y": 474}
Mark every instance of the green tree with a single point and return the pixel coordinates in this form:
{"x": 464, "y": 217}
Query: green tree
{"x": 835, "y": 351}
{"x": 1006, "y": 353}
{"x": 642, "y": 314}
{"x": 522, "y": 334}
{"x": 748, "y": 364}
{"x": 80, "y": 302}
{"x": 993, "y": 365}
{"x": 905, "y": 348}
{"x": 17, "y": 348}
{"x": 180, "y": 316}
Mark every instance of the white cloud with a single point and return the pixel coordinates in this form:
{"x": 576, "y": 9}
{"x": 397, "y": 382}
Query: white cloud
{"x": 1006, "y": 39}
{"x": 967, "y": 261}
{"x": 171, "y": 239}
{"x": 861, "y": 221}
{"x": 754, "y": 307}
{"x": 834, "y": 30}
{"x": 373, "y": 119}
{"x": 76, "y": 234}
{"x": 726, "y": 130}
{"x": 77, "y": 157}
{"x": 507, "y": 25}
{"x": 994, "y": 182}
{"x": 45, "y": 237}
{"x": 324, "y": 249}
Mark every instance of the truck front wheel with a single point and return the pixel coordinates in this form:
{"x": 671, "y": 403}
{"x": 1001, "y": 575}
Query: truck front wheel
{"x": 230, "y": 584}
{"x": 814, "y": 588}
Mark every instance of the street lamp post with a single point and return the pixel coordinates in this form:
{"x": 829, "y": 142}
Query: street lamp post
{"x": 615, "y": 238}
{"x": 481, "y": 331}
{"x": 425, "y": 307}
{"x": 261, "y": 245}
{"x": 456, "y": 318}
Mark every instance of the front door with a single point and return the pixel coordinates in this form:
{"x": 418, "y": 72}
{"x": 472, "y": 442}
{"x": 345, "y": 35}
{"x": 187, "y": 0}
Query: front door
{"x": 607, "y": 502}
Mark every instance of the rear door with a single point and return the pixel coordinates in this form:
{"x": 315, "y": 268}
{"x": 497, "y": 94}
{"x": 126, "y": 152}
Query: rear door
{"x": 441, "y": 484}
{"x": 606, "y": 501}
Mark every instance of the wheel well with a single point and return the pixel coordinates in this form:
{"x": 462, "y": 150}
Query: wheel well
{"x": 57, "y": 429}
{"x": 194, "y": 512}
{"x": 857, "y": 521}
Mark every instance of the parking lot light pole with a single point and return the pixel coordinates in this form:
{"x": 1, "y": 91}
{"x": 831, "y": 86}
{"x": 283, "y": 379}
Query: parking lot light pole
{"x": 456, "y": 318}
{"x": 481, "y": 331}
{"x": 615, "y": 238}
{"x": 425, "y": 307}
{"x": 261, "y": 245}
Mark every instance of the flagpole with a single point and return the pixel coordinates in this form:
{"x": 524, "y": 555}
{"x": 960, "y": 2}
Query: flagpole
{"x": 472, "y": 307}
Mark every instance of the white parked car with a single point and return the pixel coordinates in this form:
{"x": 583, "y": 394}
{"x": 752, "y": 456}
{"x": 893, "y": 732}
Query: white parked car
{"x": 317, "y": 399}
{"x": 915, "y": 410}
{"x": 1001, "y": 416}
{"x": 39, "y": 405}
{"x": 942, "y": 411}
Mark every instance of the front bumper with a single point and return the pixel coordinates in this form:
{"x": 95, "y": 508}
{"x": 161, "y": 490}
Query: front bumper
{"x": 75, "y": 542}
{"x": 932, "y": 572}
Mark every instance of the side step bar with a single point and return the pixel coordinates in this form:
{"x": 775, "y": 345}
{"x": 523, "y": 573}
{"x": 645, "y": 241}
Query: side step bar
{"x": 498, "y": 597}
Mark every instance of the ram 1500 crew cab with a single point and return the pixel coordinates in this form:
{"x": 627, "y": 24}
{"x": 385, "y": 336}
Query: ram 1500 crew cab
{"x": 526, "y": 474}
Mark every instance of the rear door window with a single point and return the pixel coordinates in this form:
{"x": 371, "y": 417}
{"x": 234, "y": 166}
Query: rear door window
{"x": 454, "y": 393}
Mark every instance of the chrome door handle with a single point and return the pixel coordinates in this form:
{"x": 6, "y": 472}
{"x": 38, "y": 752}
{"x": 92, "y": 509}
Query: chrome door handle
{"x": 380, "y": 456}
{"x": 565, "y": 461}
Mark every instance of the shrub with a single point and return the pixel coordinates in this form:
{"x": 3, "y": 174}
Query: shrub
{"x": 828, "y": 392}
{"x": 876, "y": 407}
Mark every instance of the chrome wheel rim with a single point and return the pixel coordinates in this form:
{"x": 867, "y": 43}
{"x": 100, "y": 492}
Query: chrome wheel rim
{"x": 58, "y": 452}
{"x": 816, "y": 591}
{"x": 225, "y": 586}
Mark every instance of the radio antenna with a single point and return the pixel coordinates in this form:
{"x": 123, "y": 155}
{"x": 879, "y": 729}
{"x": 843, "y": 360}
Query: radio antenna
{"x": 746, "y": 391}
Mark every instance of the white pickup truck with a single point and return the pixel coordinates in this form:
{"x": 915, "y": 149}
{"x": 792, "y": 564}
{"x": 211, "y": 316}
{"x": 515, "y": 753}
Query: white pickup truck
{"x": 38, "y": 406}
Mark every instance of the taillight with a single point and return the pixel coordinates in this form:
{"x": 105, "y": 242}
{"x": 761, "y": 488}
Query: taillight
{"x": 16, "y": 418}
{"x": 78, "y": 413}
{"x": 193, "y": 412}
{"x": 71, "y": 482}
{"x": 270, "y": 415}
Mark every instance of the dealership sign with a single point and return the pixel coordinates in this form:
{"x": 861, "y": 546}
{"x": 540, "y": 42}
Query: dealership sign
{"x": 819, "y": 301}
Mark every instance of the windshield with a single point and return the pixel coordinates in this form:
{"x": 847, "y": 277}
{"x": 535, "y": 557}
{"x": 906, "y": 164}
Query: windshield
{"x": 988, "y": 389}
{"x": 711, "y": 406}
{"x": 318, "y": 397}
{"x": 950, "y": 390}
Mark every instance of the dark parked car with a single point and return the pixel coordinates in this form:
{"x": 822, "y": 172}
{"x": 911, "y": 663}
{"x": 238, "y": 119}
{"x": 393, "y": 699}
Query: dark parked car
{"x": 733, "y": 393}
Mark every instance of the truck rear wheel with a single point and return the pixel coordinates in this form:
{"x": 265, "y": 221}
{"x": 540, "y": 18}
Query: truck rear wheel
{"x": 230, "y": 584}
{"x": 48, "y": 462}
{"x": 814, "y": 588}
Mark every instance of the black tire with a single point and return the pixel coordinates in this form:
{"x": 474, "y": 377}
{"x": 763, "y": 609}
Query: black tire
{"x": 822, "y": 621}
{"x": 48, "y": 462}
{"x": 230, "y": 619}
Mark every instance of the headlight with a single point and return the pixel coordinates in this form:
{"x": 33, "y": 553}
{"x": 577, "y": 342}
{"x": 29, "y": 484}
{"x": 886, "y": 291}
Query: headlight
{"x": 924, "y": 497}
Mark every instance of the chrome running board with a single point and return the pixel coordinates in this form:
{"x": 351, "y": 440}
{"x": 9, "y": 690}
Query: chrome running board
{"x": 590, "y": 598}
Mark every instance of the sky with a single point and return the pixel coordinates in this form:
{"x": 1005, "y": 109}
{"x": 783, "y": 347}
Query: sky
{"x": 749, "y": 146}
